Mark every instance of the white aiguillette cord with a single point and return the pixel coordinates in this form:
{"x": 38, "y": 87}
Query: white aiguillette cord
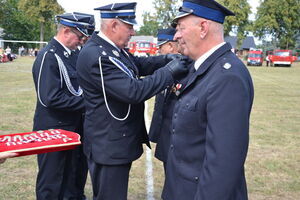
{"x": 63, "y": 73}
{"x": 105, "y": 99}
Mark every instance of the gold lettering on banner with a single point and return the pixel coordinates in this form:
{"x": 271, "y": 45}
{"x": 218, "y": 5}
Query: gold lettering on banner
{"x": 39, "y": 136}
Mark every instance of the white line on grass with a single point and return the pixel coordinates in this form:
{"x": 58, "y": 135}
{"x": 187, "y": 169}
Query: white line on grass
{"x": 149, "y": 170}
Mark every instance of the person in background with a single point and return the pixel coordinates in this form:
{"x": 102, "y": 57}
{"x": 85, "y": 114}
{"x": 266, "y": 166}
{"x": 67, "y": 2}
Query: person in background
{"x": 8, "y": 53}
{"x": 36, "y": 50}
{"x": 5, "y": 155}
{"x": 114, "y": 94}
{"x": 1, "y": 54}
{"x": 267, "y": 60}
{"x": 164, "y": 101}
{"x": 210, "y": 124}
{"x": 61, "y": 175}
{"x": 165, "y": 42}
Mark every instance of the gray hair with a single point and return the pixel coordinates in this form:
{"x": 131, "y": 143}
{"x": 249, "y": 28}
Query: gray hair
{"x": 59, "y": 27}
{"x": 104, "y": 23}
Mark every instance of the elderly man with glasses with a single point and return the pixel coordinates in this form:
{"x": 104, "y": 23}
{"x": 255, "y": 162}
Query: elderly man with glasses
{"x": 61, "y": 175}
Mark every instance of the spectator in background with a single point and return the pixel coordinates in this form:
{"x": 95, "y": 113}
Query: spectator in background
{"x": 1, "y": 54}
{"x": 19, "y": 51}
{"x": 22, "y": 51}
{"x": 267, "y": 60}
{"x": 8, "y": 53}
{"x": 36, "y": 52}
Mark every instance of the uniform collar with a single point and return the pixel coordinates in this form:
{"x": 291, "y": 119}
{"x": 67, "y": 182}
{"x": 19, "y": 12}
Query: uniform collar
{"x": 202, "y": 58}
{"x": 104, "y": 37}
{"x": 66, "y": 48}
{"x": 208, "y": 63}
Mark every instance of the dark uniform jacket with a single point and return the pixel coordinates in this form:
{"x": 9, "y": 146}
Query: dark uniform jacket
{"x": 160, "y": 125}
{"x": 56, "y": 106}
{"x": 160, "y": 131}
{"x": 210, "y": 132}
{"x": 113, "y": 88}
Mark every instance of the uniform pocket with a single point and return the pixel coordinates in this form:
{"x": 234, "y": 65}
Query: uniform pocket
{"x": 190, "y": 104}
{"x": 119, "y": 130}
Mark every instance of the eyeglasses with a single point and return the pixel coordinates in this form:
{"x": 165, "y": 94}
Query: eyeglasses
{"x": 79, "y": 35}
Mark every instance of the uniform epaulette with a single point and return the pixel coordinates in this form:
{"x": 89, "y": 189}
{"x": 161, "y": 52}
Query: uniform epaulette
{"x": 225, "y": 63}
{"x": 103, "y": 52}
{"x": 52, "y": 49}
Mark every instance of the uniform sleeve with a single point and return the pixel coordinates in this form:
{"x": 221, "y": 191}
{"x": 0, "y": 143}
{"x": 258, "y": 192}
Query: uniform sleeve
{"x": 120, "y": 86}
{"x": 227, "y": 138}
{"x": 147, "y": 65}
{"x": 49, "y": 87}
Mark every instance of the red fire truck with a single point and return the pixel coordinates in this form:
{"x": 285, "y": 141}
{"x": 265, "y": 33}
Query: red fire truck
{"x": 255, "y": 57}
{"x": 142, "y": 48}
{"x": 282, "y": 57}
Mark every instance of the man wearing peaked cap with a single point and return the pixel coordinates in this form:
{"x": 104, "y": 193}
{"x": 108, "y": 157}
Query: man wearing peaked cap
{"x": 61, "y": 175}
{"x": 208, "y": 9}
{"x": 165, "y": 41}
{"x": 84, "y": 23}
{"x": 114, "y": 96}
{"x": 210, "y": 124}
{"x": 123, "y": 11}
{"x": 159, "y": 130}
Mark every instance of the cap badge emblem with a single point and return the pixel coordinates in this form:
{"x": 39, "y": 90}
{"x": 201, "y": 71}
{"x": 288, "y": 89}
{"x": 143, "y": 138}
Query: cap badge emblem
{"x": 116, "y": 53}
{"x": 227, "y": 66}
{"x": 104, "y": 53}
{"x": 66, "y": 54}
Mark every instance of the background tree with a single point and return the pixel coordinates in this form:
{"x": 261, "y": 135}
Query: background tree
{"x": 42, "y": 12}
{"x": 279, "y": 20}
{"x": 164, "y": 13}
{"x": 238, "y": 24}
{"x": 15, "y": 24}
{"x": 150, "y": 25}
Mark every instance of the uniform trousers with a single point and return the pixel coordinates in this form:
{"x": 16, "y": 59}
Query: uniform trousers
{"x": 62, "y": 175}
{"x": 110, "y": 182}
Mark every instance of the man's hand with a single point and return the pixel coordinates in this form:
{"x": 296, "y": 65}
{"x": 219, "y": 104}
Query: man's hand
{"x": 4, "y": 155}
{"x": 177, "y": 67}
{"x": 170, "y": 57}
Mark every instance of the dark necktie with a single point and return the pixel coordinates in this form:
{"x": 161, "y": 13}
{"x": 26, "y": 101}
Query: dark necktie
{"x": 192, "y": 70}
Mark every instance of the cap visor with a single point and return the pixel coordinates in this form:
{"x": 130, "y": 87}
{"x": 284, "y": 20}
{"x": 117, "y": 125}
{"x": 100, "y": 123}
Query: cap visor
{"x": 83, "y": 31}
{"x": 159, "y": 43}
{"x": 178, "y": 16}
{"x": 129, "y": 21}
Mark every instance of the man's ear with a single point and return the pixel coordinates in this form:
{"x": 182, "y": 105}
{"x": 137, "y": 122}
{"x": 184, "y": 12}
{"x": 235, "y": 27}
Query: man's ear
{"x": 114, "y": 25}
{"x": 65, "y": 31}
{"x": 173, "y": 47}
{"x": 170, "y": 45}
{"x": 204, "y": 26}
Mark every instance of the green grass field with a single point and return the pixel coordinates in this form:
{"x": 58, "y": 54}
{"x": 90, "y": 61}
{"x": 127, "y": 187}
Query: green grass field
{"x": 273, "y": 162}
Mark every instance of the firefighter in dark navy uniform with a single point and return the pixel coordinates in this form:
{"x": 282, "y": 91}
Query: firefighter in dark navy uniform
{"x": 164, "y": 101}
{"x": 210, "y": 124}
{"x": 114, "y": 95}
{"x": 61, "y": 175}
